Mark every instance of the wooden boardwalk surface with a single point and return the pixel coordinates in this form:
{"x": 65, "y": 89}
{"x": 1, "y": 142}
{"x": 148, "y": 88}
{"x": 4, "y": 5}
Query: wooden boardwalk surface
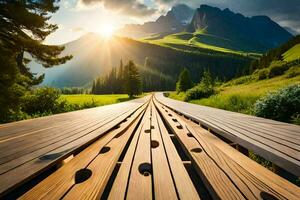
{"x": 29, "y": 147}
{"x": 141, "y": 149}
{"x": 276, "y": 141}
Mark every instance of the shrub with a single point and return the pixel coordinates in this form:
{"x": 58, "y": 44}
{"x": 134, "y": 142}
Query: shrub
{"x": 240, "y": 103}
{"x": 241, "y": 80}
{"x": 263, "y": 74}
{"x": 235, "y": 102}
{"x": 293, "y": 72}
{"x": 43, "y": 100}
{"x": 296, "y": 119}
{"x": 198, "y": 92}
{"x": 277, "y": 68}
{"x": 281, "y": 105}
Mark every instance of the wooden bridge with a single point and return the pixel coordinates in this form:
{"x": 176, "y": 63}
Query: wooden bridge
{"x": 148, "y": 148}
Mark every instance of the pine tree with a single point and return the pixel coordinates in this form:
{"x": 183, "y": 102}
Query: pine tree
{"x": 133, "y": 83}
{"x": 23, "y": 27}
{"x": 120, "y": 78}
{"x": 207, "y": 80}
{"x": 184, "y": 82}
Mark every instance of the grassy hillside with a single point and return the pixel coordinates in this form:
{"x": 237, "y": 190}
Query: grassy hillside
{"x": 292, "y": 54}
{"x": 198, "y": 41}
{"x": 287, "y": 52}
{"x": 239, "y": 95}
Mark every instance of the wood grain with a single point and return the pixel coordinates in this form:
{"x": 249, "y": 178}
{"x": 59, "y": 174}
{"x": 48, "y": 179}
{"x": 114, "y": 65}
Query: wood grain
{"x": 277, "y": 142}
{"x": 164, "y": 187}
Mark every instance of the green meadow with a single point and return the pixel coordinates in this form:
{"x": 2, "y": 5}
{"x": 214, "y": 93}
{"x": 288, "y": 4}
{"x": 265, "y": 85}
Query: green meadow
{"x": 98, "y": 100}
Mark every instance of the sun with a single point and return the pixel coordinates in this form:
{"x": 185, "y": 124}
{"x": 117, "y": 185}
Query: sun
{"x": 107, "y": 30}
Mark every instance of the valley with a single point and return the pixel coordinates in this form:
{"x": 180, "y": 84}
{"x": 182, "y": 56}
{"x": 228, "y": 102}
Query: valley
{"x": 219, "y": 43}
{"x": 101, "y": 56}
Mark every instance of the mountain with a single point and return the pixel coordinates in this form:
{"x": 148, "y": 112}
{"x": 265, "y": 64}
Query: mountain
{"x": 82, "y": 68}
{"x": 95, "y": 56}
{"x": 257, "y": 33}
{"x": 291, "y": 31}
{"x": 174, "y": 21}
{"x": 182, "y": 13}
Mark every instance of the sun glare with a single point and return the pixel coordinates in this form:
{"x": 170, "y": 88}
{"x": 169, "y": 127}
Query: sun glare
{"x": 107, "y": 30}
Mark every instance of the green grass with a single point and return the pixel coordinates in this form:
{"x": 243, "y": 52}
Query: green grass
{"x": 240, "y": 97}
{"x": 100, "y": 100}
{"x": 174, "y": 95}
{"x": 186, "y": 41}
{"x": 292, "y": 54}
{"x": 196, "y": 41}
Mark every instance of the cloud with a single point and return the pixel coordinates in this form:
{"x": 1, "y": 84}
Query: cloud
{"x": 77, "y": 29}
{"x": 126, "y": 7}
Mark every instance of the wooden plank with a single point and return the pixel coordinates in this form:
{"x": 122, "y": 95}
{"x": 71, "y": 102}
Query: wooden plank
{"x": 197, "y": 110}
{"x": 164, "y": 187}
{"x": 269, "y": 152}
{"x": 31, "y": 165}
{"x": 78, "y": 135}
{"x": 278, "y": 136}
{"x": 281, "y": 145}
{"x": 102, "y": 167}
{"x": 202, "y": 112}
{"x": 283, "y": 156}
{"x": 217, "y": 182}
{"x": 184, "y": 185}
{"x": 19, "y": 144}
{"x": 58, "y": 184}
{"x": 28, "y": 170}
{"x": 250, "y": 177}
{"x": 119, "y": 187}
{"x": 25, "y": 127}
{"x": 22, "y": 128}
{"x": 140, "y": 183}
{"x": 47, "y": 138}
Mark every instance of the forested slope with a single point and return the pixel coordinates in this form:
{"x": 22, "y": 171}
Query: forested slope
{"x": 100, "y": 56}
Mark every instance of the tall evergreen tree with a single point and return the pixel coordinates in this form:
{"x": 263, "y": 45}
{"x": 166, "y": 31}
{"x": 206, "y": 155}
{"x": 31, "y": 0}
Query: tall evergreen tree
{"x": 23, "y": 27}
{"x": 133, "y": 83}
{"x": 120, "y": 78}
{"x": 184, "y": 82}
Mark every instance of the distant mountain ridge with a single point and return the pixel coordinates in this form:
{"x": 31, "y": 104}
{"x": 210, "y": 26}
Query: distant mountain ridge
{"x": 174, "y": 21}
{"x": 257, "y": 33}
{"x": 250, "y": 34}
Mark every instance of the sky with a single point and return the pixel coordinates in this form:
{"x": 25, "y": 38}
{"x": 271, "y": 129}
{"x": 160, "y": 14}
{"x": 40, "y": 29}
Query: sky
{"x": 78, "y": 17}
